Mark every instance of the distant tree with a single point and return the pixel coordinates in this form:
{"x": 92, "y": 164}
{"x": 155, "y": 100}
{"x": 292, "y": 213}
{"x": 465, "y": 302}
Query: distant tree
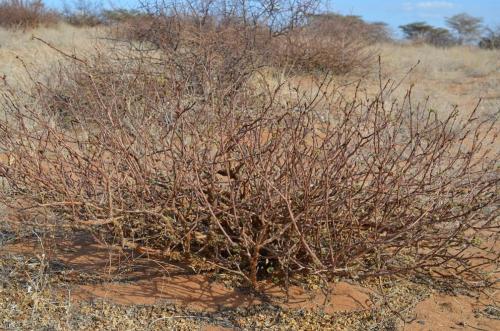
{"x": 120, "y": 14}
{"x": 380, "y": 31}
{"x": 440, "y": 37}
{"x": 83, "y": 12}
{"x": 467, "y": 28}
{"x": 423, "y": 32}
{"x": 491, "y": 40}
{"x": 417, "y": 31}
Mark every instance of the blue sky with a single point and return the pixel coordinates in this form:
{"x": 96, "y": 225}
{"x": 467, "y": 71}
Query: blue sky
{"x": 398, "y": 12}
{"x": 394, "y": 12}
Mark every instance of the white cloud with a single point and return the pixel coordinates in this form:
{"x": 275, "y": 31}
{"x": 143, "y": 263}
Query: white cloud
{"x": 435, "y": 5}
{"x": 428, "y": 5}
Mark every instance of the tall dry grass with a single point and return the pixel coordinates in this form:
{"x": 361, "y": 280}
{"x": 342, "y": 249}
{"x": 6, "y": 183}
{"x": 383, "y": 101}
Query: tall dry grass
{"x": 21, "y": 56}
{"x": 456, "y": 76}
{"x": 446, "y": 64}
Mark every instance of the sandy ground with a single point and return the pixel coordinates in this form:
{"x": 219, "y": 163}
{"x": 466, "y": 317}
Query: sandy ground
{"x": 127, "y": 279}
{"x": 83, "y": 273}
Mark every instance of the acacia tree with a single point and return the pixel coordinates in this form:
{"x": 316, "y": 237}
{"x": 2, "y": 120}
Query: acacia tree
{"x": 440, "y": 37}
{"x": 416, "y": 31}
{"x": 423, "y": 32}
{"x": 466, "y": 27}
{"x": 492, "y": 39}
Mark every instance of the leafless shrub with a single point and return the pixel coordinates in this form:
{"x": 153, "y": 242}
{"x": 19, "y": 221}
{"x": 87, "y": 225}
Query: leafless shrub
{"x": 83, "y": 13}
{"x": 25, "y": 14}
{"x": 301, "y": 41}
{"x": 209, "y": 60}
{"x": 252, "y": 180}
{"x": 329, "y": 43}
{"x": 312, "y": 48}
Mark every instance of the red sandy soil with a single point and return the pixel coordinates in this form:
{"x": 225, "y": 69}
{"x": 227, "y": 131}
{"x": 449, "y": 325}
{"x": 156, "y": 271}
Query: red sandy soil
{"x": 445, "y": 312}
{"x": 151, "y": 281}
{"x": 148, "y": 282}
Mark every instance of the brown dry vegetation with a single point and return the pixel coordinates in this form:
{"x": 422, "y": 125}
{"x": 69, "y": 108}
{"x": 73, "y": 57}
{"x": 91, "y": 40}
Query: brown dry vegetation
{"x": 205, "y": 149}
{"x": 26, "y": 14}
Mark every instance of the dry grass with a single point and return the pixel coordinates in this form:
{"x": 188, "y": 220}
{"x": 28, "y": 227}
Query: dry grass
{"x": 444, "y": 77}
{"x": 449, "y": 76}
{"x": 20, "y": 53}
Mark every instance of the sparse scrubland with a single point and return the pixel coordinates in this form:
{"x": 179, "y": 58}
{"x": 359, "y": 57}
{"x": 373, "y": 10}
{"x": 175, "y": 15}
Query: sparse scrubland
{"x": 248, "y": 151}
